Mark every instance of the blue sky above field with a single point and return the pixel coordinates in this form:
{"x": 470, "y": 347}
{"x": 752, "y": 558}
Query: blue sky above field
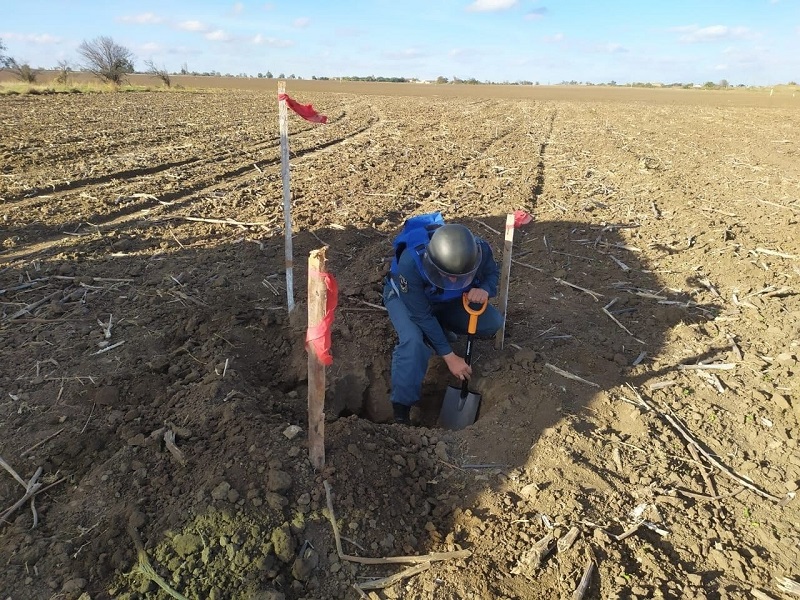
{"x": 754, "y": 42}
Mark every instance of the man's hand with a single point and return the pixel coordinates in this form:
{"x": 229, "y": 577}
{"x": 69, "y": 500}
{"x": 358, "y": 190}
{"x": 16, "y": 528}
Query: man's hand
{"x": 477, "y": 295}
{"x": 458, "y": 366}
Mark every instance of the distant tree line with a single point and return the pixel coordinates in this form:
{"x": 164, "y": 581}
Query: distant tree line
{"x": 106, "y": 59}
{"x": 103, "y": 57}
{"x": 709, "y": 85}
{"x": 112, "y": 63}
{"x": 23, "y": 72}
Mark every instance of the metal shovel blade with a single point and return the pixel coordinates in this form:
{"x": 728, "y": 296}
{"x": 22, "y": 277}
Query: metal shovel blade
{"x": 458, "y": 412}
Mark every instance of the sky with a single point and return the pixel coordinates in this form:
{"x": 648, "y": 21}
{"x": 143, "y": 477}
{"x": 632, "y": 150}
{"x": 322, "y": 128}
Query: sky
{"x": 750, "y": 42}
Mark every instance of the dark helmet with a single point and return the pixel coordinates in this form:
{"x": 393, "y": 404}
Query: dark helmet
{"x": 452, "y": 257}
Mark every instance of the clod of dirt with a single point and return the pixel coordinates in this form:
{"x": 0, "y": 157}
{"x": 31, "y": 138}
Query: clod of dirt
{"x": 283, "y": 543}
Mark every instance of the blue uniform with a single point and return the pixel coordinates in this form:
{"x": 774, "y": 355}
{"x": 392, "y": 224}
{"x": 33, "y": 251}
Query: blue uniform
{"x": 419, "y": 312}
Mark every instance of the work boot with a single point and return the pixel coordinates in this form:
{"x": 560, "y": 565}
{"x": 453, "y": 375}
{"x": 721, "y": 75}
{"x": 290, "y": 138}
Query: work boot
{"x": 402, "y": 413}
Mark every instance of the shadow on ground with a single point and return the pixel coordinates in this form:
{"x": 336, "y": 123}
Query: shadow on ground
{"x": 201, "y": 345}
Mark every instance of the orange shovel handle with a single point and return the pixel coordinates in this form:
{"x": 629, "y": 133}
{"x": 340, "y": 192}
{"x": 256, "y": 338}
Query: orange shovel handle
{"x": 473, "y": 314}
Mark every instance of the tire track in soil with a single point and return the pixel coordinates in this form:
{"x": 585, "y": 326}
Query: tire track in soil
{"x": 538, "y": 186}
{"x": 482, "y": 158}
{"x": 571, "y": 494}
{"x": 171, "y": 202}
{"x": 411, "y": 205}
{"x": 116, "y": 138}
{"x": 409, "y": 173}
{"x": 659, "y": 565}
{"x": 600, "y": 480}
{"x": 534, "y": 184}
{"x": 705, "y": 190}
{"x": 199, "y": 163}
{"x": 471, "y": 166}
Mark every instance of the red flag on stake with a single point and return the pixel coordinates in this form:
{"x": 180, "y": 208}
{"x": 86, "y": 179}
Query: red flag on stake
{"x": 304, "y": 110}
{"x": 521, "y": 218}
{"x": 318, "y": 337}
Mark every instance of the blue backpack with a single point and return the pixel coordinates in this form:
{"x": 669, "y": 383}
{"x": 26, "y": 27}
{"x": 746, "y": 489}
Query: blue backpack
{"x": 416, "y": 234}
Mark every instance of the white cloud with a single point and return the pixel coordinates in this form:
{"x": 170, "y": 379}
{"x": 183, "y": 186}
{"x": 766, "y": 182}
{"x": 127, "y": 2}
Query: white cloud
{"x": 553, "y": 39}
{"x": 260, "y": 40}
{"x": 748, "y": 58}
{"x": 536, "y": 14}
{"x": 269, "y": 6}
{"x": 237, "y": 8}
{"x": 463, "y": 56}
{"x": 183, "y": 51}
{"x": 613, "y": 48}
{"x": 491, "y": 5}
{"x": 31, "y": 38}
{"x": 151, "y": 47}
{"x": 692, "y": 34}
{"x": 720, "y": 67}
{"x": 348, "y": 31}
{"x": 218, "y": 35}
{"x": 301, "y": 22}
{"x": 147, "y": 18}
{"x": 408, "y": 53}
{"x": 192, "y": 26}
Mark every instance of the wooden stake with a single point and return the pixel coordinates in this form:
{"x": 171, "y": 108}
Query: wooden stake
{"x": 505, "y": 277}
{"x": 283, "y": 118}
{"x": 317, "y": 301}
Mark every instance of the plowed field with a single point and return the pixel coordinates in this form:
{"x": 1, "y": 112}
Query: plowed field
{"x": 647, "y": 393}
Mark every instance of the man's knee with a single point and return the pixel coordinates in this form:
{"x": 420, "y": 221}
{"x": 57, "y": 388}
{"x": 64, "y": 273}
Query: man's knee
{"x": 489, "y": 322}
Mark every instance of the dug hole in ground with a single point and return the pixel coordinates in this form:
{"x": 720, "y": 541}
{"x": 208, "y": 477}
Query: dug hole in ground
{"x": 150, "y": 370}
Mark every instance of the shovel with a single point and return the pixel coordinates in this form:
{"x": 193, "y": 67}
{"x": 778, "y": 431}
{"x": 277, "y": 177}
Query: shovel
{"x": 460, "y": 406}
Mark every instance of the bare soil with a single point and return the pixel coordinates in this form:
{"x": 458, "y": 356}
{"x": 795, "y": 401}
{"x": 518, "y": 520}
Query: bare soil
{"x": 662, "y": 268}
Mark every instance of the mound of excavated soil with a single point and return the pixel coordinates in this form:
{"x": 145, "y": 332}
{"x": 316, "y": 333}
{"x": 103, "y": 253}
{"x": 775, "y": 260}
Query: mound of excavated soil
{"x": 154, "y": 387}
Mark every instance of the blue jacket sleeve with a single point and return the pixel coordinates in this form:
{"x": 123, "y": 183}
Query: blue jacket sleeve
{"x": 489, "y": 272}
{"x": 418, "y": 305}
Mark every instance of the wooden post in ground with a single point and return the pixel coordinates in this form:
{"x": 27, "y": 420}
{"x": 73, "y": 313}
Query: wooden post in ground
{"x": 283, "y": 120}
{"x": 505, "y": 277}
{"x": 317, "y": 303}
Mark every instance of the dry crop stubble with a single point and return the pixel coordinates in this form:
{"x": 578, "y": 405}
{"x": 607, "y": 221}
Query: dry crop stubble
{"x": 677, "y": 211}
